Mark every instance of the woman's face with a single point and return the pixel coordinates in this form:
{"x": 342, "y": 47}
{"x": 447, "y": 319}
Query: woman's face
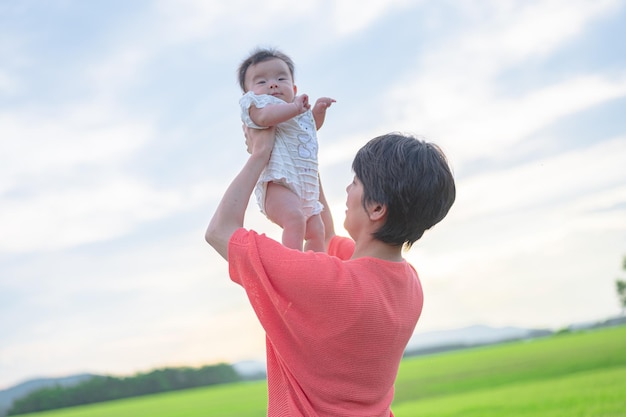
{"x": 355, "y": 212}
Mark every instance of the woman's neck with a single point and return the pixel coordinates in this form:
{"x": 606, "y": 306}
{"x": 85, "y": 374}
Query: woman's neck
{"x": 376, "y": 249}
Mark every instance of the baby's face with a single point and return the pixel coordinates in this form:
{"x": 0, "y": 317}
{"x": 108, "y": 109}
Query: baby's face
{"x": 271, "y": 77}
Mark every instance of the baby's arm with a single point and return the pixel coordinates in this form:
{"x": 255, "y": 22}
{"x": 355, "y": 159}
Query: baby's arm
{"x": 273, "y": 114}
{"x": 319, "y": 110}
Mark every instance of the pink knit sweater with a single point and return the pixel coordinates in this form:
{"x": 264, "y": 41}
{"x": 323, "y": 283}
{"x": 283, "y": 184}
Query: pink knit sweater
{"x": 336, "y": 328}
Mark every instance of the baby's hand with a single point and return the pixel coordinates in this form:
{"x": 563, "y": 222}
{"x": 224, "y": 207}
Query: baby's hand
{"x": 322, "y": 104}
{"x": 319, "y": 110}
{"x": 302, "y": 103}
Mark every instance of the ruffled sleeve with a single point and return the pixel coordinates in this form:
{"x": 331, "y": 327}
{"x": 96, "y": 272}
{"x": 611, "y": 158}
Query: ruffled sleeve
{"x": 259, "y": 101}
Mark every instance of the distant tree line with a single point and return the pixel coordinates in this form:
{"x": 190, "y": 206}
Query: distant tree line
{"x": 106, "y": 388}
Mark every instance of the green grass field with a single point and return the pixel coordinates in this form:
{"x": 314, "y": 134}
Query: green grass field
{"x": 574, "y": 375}
{"x": 580, "y": 374}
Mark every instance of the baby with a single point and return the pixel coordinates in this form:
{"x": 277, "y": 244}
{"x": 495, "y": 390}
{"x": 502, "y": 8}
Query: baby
{"x": 288, "y": 189}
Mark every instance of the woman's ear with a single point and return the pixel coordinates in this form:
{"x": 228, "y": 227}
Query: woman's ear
{"x": 376, "y": 211}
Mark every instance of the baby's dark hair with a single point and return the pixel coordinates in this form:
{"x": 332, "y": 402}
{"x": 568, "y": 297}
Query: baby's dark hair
{"x": 411, "y": 178}
{"x": 261, "y": 55}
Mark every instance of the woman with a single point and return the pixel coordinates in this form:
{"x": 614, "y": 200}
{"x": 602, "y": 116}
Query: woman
{"x": 337, "y": 322}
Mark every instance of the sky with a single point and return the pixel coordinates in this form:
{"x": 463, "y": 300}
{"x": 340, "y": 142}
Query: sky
{"x": 120, "y": 130}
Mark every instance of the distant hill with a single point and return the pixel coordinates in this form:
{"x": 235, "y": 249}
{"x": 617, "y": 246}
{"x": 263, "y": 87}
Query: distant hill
{"x": 8, "y": 395}
{"x": 440, "y": 341}
{"x": 250, "y": 370}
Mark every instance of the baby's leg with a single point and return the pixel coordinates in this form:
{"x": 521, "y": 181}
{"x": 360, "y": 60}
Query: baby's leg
{"x": 284, "y": 208}
{"x": 314, "y": 234}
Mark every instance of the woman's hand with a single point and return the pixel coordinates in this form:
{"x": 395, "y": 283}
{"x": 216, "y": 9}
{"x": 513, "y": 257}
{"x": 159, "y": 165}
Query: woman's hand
{"x": 259, "y": 142}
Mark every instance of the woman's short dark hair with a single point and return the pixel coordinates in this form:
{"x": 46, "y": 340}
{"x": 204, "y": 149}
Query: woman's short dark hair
{"x": 262, "y": 55}
{"x": 411, "y": 178}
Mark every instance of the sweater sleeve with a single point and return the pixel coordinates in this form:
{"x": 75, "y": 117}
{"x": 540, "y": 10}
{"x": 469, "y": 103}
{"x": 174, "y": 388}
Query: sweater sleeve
{"x": 277, "y": 278}
{"x": 341, "y": 247}
{"x": 279, "y": 281}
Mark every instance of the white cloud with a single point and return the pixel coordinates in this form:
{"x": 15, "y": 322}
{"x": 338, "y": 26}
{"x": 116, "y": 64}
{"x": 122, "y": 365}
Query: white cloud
{"x": 39, "y": 145}
{"x": 531, "y": 207}
{"x": 486, "y": 125}
{"x": 544, "y": 182}
{"x": 453, "y": 96}
{"x": 55, "y": 194}
{"x": 13, "y": 62}
{"x": 197, "y": 19}
{"x": 510, "y": 32}
{"x": 351, "y": 16}
{"x": 9, "y": 85}
{"x": 121, "y": 68}
{"x": 189, "y": 20}
{"x": 97, "y": 210}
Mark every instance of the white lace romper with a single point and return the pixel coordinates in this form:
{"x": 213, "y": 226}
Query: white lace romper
{"x": 293, "y": 162}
